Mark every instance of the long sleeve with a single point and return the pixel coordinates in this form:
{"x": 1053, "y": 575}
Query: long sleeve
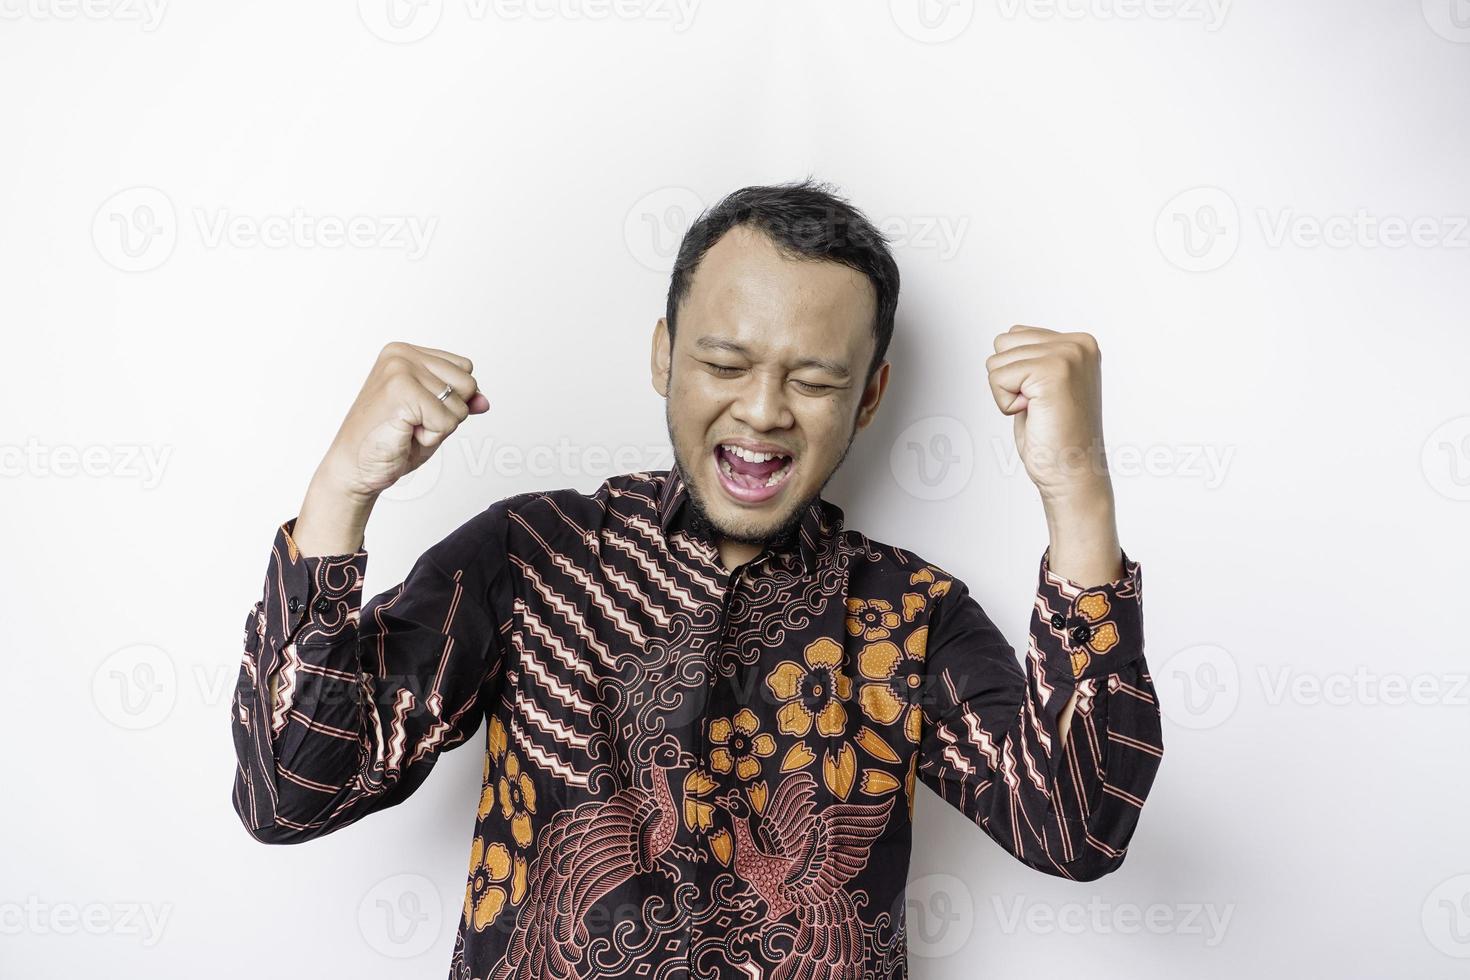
{"x": 991, "y": 743}
{"x": 340, "y": 710}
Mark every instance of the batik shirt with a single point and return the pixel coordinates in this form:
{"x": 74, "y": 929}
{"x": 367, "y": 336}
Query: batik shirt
{"x": 690, "y": 771}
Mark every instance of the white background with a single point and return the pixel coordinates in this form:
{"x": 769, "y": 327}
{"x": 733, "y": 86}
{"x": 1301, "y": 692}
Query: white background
{"x": 1288, "y": 416}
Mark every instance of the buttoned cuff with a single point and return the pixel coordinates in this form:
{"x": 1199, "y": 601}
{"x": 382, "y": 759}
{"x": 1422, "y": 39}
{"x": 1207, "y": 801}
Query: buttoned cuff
{"x": 306, "y": 600}
{"x": 1088, "y": 631}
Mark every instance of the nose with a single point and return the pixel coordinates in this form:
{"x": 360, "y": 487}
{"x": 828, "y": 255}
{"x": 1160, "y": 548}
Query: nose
{"x": 761, "y": 403}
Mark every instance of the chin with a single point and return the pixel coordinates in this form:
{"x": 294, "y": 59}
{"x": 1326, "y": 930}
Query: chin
{"x": 737, "y": 520}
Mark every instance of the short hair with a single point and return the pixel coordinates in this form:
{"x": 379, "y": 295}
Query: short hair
{"x": 804, "y": 219}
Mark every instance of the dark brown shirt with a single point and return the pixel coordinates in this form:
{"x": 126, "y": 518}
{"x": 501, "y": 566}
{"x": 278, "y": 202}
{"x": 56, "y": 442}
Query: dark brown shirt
{"x": 689, "y": 769}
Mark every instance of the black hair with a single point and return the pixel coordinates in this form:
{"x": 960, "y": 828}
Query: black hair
{"x": 805, "y": 219}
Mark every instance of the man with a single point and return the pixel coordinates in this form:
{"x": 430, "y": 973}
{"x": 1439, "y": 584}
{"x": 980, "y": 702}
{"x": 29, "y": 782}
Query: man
{"x": 708, "y": 701}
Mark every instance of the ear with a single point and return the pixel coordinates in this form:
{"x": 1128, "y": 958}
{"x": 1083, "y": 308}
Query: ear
{"x": 660, "y": 357}
{"x": 872, "y": 395}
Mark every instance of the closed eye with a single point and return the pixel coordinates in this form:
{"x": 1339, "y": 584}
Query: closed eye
{"x": 810, "y": 387}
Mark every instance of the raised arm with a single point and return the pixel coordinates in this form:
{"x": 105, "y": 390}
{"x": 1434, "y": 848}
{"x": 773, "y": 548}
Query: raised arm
{"x": 342, "y": 709}
{"x": 1055, "y": 761}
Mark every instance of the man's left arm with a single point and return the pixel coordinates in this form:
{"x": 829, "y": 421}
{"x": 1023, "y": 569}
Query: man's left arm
{"x": 992, "y": 746}
{"x": 1051, "y": 383}
{"x": 1086, "y": 635}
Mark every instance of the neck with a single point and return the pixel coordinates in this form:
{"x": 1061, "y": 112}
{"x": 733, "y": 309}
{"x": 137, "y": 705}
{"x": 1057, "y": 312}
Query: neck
{"x": 736, "y": 553}
{"x": 742, "y": 834}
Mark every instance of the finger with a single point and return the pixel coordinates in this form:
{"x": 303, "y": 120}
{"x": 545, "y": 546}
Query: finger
{"x": 1008, "y": 380}
{"x": 1023, "y": 334}
{"x": 436, "y": 419}
{"x": 432, "y": 385}
{"x": 449, "y": 373}
{"x": 1012, "y": 354}
{"x": 458, "y": 360}
{"x": 464, "y": 383}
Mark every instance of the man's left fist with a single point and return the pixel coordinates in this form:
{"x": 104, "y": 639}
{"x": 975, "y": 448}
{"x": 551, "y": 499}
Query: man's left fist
{"x": 1052, "y": 383}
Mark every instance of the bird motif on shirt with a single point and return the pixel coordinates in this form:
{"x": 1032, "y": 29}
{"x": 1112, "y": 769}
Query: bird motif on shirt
{"x": 799, "y": 858}
{"x": 584, "y": 853}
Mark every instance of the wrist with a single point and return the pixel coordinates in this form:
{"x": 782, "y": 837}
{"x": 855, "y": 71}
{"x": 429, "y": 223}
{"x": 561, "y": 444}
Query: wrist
{"x": 333, "y": 519}
{"x": 1079, "y": 505}
{"x": 1083, "y": 533}
{"x": 327, "y": 483}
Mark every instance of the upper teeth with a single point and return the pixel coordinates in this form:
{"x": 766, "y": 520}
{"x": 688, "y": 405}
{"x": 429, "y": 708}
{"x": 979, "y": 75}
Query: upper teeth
{"x": 751, "y": 456}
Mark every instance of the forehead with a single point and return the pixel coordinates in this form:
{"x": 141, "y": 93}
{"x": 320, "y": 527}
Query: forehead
{"x": 746, "y": 290}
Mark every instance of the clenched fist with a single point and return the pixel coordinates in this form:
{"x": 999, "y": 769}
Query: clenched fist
{"x": 398, "y": 420}
{"x": 394, "y": 426}
{"x": 1052, "y": 383}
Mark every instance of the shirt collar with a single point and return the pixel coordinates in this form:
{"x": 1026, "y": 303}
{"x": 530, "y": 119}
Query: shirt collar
{"x": 820, "y": 520}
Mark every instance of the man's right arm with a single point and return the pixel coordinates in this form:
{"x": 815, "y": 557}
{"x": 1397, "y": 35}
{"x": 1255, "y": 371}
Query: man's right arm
{"x": 342, "y": 709}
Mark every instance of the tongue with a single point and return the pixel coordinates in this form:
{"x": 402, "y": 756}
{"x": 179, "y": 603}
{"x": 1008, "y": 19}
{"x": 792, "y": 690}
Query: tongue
{"x": 754, "y": 470}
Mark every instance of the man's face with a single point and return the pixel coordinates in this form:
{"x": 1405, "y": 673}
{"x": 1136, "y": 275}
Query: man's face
{"x": 771, "y": 356}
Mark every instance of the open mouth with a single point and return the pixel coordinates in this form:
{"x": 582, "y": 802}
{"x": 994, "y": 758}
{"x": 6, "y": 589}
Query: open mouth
{"x": 751, "y": 476}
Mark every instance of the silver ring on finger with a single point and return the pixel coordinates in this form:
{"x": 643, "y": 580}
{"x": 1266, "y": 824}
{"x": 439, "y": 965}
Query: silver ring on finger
{"x": 445, "y": 393}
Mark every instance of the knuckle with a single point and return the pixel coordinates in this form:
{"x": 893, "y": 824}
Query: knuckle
{"x": 400, "y": 383}
{"x": 396, "y": 364}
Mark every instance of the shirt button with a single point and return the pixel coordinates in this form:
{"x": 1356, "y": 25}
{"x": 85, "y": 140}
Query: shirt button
{"x": 1081, "y": 633}
{"x": 323, "y": 604}
{"x": 1058, "y": 620}
{"x": 293, "y": 604}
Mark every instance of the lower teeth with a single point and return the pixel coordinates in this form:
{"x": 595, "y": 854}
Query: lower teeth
{"x": 771, "y": 480}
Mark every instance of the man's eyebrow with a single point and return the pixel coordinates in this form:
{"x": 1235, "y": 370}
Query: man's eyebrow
{"x": 821, "y": 363}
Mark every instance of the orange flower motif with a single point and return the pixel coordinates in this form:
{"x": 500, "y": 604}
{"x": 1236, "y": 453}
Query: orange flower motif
{"x": 494, "y": 879}
{"x": 872, "y": 619}
{"x": 891, "y": 676}
{"x": 514, "y": 789}
{"x": 517, "y": 799}
{"x": 813, "y": 692}
{"x": 1097, "y": 635}
{"x": 740, "y": 744}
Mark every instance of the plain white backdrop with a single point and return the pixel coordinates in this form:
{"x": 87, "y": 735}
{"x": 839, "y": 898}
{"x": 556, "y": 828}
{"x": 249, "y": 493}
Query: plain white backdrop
{"x": 213, "y": 216}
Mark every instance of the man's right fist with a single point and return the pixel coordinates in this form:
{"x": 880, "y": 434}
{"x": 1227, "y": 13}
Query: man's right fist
{"x": 398, "y": 420}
